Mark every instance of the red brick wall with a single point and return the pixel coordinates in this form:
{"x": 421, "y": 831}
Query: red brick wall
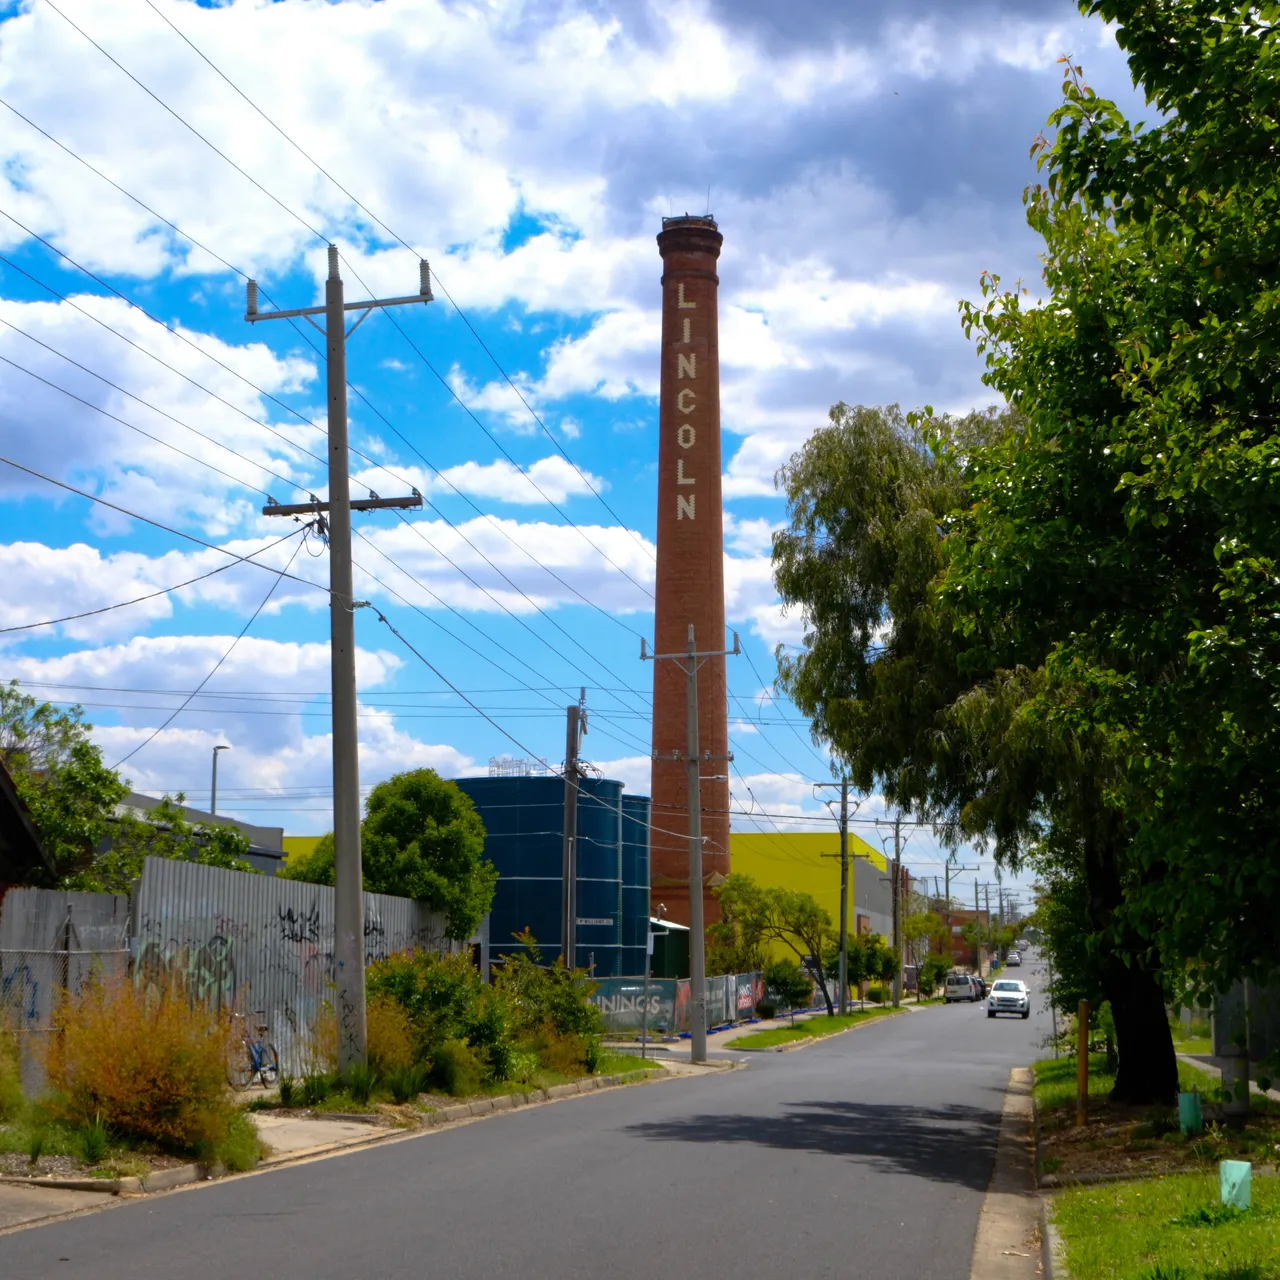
{"x": 690, "y": 576}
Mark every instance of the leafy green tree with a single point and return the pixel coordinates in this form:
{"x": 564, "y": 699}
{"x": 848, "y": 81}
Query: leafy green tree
{"x": 1130, "y": 534}
{"x": 421, "y": 838}
{"x": 767, "y": 913}
{"x": 932, "y": 974}
{"x": 789, "y": 982}
{"x": 736, "y": 940}
{"x": 75, "y": 802}
{"x": 933, "y": 696}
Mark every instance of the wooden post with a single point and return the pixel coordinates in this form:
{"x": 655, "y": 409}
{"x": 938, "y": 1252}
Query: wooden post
{"x": 1082, "y": 1065}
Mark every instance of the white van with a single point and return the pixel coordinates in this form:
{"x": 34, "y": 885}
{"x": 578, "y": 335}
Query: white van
{"x": 960, "y": 986}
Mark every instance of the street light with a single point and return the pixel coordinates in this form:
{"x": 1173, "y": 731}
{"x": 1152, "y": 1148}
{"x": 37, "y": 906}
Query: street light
{"x": 213, "y": 790}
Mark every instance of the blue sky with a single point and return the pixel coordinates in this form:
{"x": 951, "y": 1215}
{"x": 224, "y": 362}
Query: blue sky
{"x": 865, "y": 162}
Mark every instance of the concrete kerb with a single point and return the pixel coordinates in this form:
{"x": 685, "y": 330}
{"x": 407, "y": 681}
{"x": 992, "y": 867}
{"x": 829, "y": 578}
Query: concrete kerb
{"x": 1012, "y": 1211}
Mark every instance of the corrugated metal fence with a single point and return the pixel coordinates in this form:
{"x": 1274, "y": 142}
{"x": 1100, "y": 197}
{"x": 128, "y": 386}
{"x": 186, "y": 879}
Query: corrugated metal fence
{"x": 259, "y": 943}
{"x": 238, "y": 941}
{"x": 52, "y": 942}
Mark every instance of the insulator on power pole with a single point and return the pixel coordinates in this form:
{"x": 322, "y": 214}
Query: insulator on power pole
{"x": 251, "y": 298}
{"x": 333, "y": 262}
{"x": 424, "y": 280}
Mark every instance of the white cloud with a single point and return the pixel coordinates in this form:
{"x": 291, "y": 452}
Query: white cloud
{"x": 201, "y": 459}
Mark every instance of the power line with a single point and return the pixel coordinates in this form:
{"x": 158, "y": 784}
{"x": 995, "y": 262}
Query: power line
{"x": 405, "y": 244}
{"x": 412, "y": 345}
{"x": 213, "y": 670}
{"x": 88, "y": 404}
{"x": 156, "y": 524}
{"x": 124, "y": 604}
{"x": 319, "y": 235}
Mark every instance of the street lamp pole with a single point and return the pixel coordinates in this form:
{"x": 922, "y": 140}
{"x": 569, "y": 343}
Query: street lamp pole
{"x": 213, "y": 786}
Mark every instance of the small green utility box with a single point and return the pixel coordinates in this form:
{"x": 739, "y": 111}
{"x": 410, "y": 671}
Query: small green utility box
{"x": 1190, "y": 1117}
{"x": 1234, "y": 1182}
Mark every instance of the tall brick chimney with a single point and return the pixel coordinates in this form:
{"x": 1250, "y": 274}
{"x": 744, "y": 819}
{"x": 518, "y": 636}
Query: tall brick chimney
{"x": 690, "y": 581}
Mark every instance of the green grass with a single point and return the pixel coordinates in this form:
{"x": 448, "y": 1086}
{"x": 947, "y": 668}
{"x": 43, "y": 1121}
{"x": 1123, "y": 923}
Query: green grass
{"x": 616, "y": 1063}
{"x": 1056, "y": 1080}
{"x": 809, "y": 1029}
{"x": 1125, "y": 1231}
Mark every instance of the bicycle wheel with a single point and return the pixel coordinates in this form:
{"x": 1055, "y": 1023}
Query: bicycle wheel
{"x": 239, "y": 1067}
{"x": 269, "y": 1064}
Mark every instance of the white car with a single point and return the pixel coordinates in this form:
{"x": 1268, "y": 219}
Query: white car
{"x": 960, "y": 986}
{"x": 1014, "y": 959}
{"x": 1009, "y": 996}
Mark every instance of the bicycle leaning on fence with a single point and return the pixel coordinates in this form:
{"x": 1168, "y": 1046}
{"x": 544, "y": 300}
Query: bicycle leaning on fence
{"x": 259, "y": 1061}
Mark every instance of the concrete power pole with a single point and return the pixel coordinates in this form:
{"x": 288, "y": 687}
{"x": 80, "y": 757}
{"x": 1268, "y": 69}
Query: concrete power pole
{"x": 693, "y": 762}
{"x": 897, "y": 909}
{"x": 348, "y": 873}
{"x": 213, "y": 782}
{"x": 575, "y": 727}
{"x": 844, "y": 888}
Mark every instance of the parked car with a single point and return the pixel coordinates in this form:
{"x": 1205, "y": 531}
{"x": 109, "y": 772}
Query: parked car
{"x": 1014, "y": 959}
{"x": 1009, "y": 996}
{"x": 981, "y": 984}
{"x": 960, "y": 986}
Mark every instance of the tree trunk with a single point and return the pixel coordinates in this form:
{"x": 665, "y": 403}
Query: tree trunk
{"x": 826, "y": 995}
{"x": 1148, "y": 1071}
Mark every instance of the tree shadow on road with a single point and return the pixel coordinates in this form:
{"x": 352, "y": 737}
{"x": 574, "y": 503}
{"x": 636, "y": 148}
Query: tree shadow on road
{"x": 944, "y": 1144}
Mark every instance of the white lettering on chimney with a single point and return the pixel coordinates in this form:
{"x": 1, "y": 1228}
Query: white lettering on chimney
{"x": 684, "y": 506}
{"x": 680, "y": 302}
{"x": 681, "y": 478}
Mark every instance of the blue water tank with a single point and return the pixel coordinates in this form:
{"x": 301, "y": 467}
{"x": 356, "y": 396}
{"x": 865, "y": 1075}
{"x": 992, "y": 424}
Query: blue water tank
{"x": 524, "y": 839}
{"x": 635, "y": 884}
{"x": 524, "y": 825}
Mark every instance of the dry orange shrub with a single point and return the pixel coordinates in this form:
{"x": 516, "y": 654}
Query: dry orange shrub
{"x": 390, "y": 1036}
{"x": 149, "y": 1064}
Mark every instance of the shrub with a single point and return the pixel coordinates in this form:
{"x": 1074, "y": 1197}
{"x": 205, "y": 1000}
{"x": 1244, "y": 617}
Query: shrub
{"x": 406, "y": 1083}
{"x": 288, "y": 1090}
{"x": 766, "y": 1009}
{"x": 875, "y": 995}
{"x": 594, "y": 1052}
{"x": 457, "y": 1068}
{"x": 390, "y": 1035}
{"x": 933, "y": 973}
{"x": 35, "y": 1145}
{"x": 150, "y": 1065}
{"x": 489, "y": 1033}
{"x": 564, "y": 1052}
{"x": 438, "y": 993}
{"x": 240, "y": 1148}
{"x": 360, "y": 1082}
{"x": 538, "y": 996}
{"x": 789, "y": 982}
{"x": 10, "y": 1078}
{"x": 93, "y": 1142}
{"x": 524, "y": 1066}
{"x": 315, "y": 1088}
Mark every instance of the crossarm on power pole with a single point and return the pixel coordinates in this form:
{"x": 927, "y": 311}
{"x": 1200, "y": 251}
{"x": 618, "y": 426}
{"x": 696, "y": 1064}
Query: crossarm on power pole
{"x": 372, "y": 503}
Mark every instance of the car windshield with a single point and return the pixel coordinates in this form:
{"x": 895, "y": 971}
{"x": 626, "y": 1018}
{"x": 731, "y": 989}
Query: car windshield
{"x": 958, "y": 982}
{"x": 1008, "y": 986}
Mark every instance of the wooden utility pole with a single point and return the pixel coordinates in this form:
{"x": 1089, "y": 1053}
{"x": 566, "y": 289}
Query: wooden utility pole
{"x": 348, "y": 883}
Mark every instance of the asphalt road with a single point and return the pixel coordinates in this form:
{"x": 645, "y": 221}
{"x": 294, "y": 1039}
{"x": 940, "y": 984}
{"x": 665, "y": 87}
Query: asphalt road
{"x": 865, "y": 1154}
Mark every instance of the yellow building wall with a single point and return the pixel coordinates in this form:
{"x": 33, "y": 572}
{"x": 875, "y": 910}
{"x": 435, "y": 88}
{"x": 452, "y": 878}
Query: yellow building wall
{"x": 298, "y": 844}
{"x": 794, "y": 860}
